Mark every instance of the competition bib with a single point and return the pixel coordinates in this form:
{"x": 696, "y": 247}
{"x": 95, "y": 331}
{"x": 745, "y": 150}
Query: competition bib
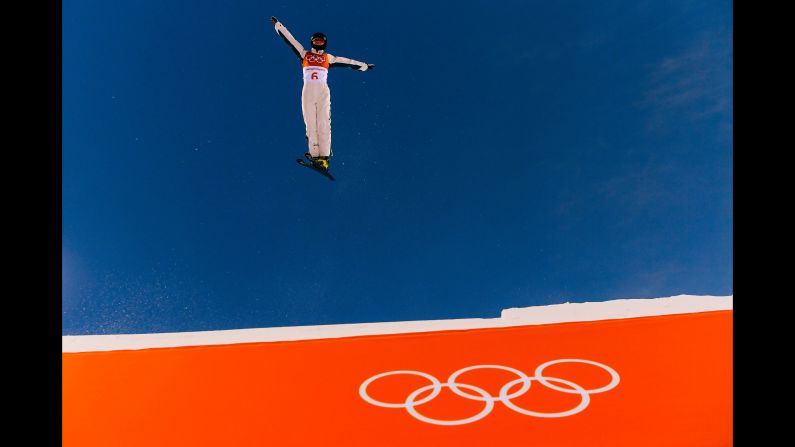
{"x": 315, "y": 67}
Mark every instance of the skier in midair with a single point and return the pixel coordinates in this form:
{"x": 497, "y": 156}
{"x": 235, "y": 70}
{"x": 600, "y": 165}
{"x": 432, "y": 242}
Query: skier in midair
{"x": 316, "y": 96}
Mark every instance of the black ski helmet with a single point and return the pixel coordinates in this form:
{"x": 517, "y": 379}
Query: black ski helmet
{"x": 318, "y": 36}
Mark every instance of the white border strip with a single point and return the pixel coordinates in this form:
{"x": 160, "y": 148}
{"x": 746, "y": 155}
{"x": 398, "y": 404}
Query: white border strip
{"x": 557, "y": 313}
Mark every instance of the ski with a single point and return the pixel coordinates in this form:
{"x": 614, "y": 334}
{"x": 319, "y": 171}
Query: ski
{"x": 312, "y": 167}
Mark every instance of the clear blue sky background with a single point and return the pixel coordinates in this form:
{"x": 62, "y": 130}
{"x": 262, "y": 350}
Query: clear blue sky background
{"x": 501, "y": 154}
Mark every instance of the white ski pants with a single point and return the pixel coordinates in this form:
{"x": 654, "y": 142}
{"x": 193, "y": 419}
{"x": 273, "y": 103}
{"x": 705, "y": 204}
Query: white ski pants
{"x": 316, "y": 107}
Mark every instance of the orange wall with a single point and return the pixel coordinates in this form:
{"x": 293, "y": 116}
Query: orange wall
{"x": 675, "y": 389}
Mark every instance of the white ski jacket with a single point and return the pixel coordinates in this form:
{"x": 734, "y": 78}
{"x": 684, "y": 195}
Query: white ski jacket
{"x": 316, "y": 63}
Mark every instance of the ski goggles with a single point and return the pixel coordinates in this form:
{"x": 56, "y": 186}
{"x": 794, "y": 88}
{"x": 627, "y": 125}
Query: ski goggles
{"x": 318, "y": 41}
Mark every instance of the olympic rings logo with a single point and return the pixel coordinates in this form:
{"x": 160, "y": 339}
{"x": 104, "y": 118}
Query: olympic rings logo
{"x": 481, "y": 395}
{"x": 315, "y": 58}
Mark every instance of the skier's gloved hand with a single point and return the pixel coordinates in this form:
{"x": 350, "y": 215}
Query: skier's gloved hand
{"x": 274, "y": 20}
{"x": 370, "y": 66}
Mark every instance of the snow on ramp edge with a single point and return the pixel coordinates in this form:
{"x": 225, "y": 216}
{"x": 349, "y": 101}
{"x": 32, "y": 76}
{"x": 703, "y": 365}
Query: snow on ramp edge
{"x": 525, "y": 316}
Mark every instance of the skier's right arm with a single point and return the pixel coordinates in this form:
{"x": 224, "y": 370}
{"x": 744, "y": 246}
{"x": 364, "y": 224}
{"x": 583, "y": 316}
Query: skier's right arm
{"x": 297, "y": 48}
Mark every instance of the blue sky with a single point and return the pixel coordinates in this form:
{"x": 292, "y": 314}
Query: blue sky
{"x": 501, "y": 154}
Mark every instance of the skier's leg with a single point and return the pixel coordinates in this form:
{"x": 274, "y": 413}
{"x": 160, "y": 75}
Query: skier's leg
{"x": 324, "y": 123}
{"x": 309, "y": 110}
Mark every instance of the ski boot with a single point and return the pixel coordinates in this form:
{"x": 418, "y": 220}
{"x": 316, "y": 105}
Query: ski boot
{"x": 321, "y": 162}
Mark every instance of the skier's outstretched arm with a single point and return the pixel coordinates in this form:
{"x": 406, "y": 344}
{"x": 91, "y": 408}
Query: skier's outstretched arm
{"x": 344, "y": 62}
{"x": 297, "y": 48}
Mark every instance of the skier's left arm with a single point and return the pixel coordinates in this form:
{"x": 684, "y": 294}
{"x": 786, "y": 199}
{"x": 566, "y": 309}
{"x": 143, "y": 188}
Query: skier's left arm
{"x": 344, "y": 62}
